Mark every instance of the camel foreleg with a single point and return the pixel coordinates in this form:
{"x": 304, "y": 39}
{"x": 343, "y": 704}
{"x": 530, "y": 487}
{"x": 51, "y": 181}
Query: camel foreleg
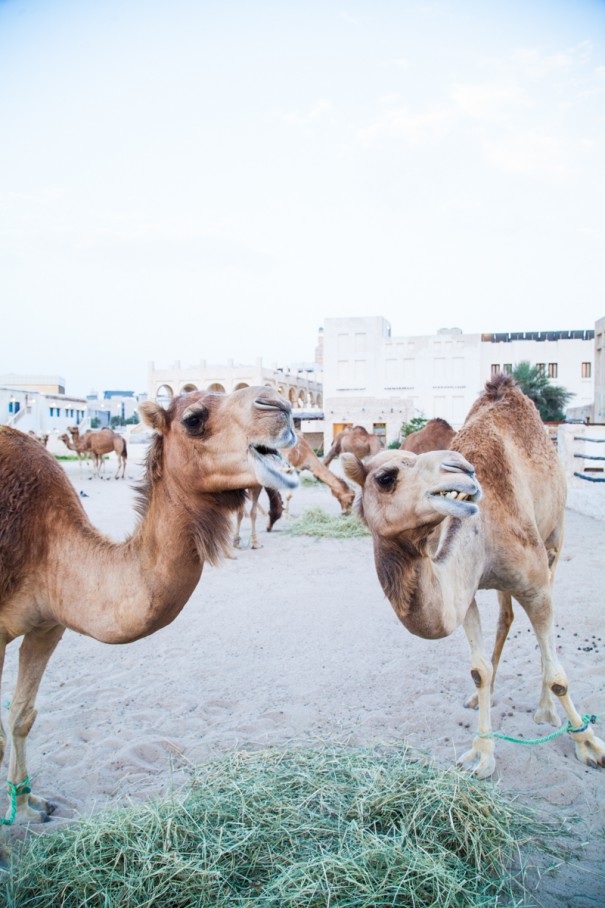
{"x": 505, "y": 620}
{"x": 589, "y": 749}
{"x": 479, "y": 760}
{"x": 35, "y": 651}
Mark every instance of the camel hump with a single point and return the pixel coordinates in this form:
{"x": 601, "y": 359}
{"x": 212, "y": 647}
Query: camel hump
{"x": 499, "y": 385}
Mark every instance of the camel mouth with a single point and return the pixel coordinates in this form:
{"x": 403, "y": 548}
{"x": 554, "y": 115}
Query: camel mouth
{"x": 458, "y": 499}
{"x": 271, "y": 469}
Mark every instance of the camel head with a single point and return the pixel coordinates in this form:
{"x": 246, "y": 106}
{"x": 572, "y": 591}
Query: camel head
{"x": 402, "y": 491}
{"x": 211, "y": 442}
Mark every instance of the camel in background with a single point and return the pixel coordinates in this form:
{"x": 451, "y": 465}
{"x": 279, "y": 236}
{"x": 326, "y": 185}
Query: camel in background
{"x": 436, "y": 435}
{"x": 440, "y": 534}
{"x": 303, "y": 457}
{"x": 354, "y": 440}
{"x": 276, "y": 509}
{"x": 41, "y": 439}
{"x": 97, "y": 444}
{"x": 57, "y": 571}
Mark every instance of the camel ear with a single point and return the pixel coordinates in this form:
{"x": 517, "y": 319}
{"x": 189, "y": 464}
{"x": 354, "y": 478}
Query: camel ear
{"x": 354, "y": 469}
{"x": 154, "y": 416}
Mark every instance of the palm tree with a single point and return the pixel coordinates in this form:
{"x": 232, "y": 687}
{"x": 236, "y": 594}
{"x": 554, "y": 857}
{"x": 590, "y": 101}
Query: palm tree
{"x": 550, "y": 399}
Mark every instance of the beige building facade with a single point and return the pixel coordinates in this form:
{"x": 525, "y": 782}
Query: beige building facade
{"x": 379, "y": 381}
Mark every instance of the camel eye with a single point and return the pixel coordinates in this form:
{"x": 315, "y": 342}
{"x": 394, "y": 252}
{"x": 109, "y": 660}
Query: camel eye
{"x": 194, "y": 421}
{"x": 387, "y": 480}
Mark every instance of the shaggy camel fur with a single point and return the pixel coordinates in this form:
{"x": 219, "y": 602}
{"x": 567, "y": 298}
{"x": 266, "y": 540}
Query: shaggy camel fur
{"x": 437, "y": 435}
{"x": 354, "y": 440}
{"x": 97, "y": 444}
{"x": 435, "y": 546}
{"x": 57, "y": 571}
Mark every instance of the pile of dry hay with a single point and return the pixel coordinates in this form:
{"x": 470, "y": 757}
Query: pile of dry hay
{"x": 316, "y": 522}
{"x": 337, "y": 827}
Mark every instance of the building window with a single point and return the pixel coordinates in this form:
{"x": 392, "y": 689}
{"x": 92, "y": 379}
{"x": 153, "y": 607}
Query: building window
{"x": 553, "y": 370}
{"x": 14, "y": 406}
{"x": 586, "y": 370}
{"x": 380, "y": 429}
{"x": 507, "y": 368}
{"x": 495, "y": 369}
{"x": 541, "y": 367}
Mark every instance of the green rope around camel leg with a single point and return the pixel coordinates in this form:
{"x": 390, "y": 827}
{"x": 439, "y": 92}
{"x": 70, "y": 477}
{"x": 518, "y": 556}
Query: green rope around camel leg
{"x": 586, "y": 721}
{"x": 22, "y": 788}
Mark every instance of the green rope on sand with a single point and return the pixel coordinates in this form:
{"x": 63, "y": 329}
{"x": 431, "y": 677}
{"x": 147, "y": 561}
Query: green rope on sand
{"x": 21, "y": 789}
{"x": 586, "y": 721}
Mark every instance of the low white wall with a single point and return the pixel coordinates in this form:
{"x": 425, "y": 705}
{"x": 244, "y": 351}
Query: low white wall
{"x": 587, "y": 441}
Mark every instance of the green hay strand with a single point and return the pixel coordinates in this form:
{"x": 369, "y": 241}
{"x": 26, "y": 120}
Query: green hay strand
{"x": 316, "y": 522}
{"x": 342, "y": 828}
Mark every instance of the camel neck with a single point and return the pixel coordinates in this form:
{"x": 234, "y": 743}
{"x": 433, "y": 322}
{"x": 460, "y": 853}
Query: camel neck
{"x": 125, "y": 591}
{"x": 430, "y": 581}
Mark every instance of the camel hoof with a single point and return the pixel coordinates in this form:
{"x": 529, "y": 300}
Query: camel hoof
{"x": 590, "y": 751}
{"x": 472, "y": 702}
{"x": 479, "y": 761}
{"x": 546, "y": 715}
{"x": 256, "y": 545}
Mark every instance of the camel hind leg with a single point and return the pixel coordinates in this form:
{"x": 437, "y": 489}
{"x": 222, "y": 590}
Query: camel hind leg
{"x": 505, "y": 620}
{"x": 589, "y": 749}
{"x": 35, "y": 651}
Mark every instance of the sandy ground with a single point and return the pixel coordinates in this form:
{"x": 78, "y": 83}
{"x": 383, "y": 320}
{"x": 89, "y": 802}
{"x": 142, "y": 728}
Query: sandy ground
{"x": 295, "y": 644}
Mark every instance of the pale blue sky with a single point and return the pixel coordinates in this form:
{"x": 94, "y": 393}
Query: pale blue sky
{"x": 187, "y": 180}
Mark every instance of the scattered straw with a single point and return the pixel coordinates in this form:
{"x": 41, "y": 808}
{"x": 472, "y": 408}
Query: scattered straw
{"x": 316, "y": 522}
{"x": 339, "y": 828}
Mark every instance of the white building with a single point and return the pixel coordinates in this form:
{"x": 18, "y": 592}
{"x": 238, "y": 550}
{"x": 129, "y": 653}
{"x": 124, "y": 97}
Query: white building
{"x": 39, "y": 404}
{"x": 379, "y": 381}
{"x": 298, "y": 384}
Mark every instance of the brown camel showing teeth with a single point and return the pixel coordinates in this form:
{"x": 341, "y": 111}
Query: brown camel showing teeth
{"x": 437, "y": 541}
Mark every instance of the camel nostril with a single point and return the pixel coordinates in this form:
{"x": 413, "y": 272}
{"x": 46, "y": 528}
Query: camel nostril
{"x": 455, "y": 466}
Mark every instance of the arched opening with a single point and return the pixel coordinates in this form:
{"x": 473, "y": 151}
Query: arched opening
{"x": 318, "y": 401}
{"x": 292, "y": 396}
{"x": 216, "y": 386}
{"x": 301, "y": 400}
{"x": 164, "y": 395}
{"x": 188, "y": 387}
{"x": 311, "y": 399}
{"x": 240, "y": 385}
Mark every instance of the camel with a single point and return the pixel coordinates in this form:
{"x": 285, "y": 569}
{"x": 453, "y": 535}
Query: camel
{"x": 276, "y": 509}
{"x": 41, "y": 439}
{"x": 437, "y": 435}
{"x": 440, "y": 533}
{"x": 57, "y": 571}
{"x": 97, "y": 444}
{"x": 303, "y": 457}
{"x": 354, "y": 440}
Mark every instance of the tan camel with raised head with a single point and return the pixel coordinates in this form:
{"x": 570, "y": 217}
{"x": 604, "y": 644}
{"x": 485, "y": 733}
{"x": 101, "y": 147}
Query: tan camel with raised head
{"x": 436, "y": 543}
{"x": 303, "y": 457}
{"x": 354, "y": 440}
{"x": 57, "y": 571}
{"x": 437, "y": 435}
{"x": 97, "y": 444}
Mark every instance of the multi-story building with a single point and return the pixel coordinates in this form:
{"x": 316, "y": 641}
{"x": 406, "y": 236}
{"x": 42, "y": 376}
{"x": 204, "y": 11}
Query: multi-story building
{"x": 379, "y": 381}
